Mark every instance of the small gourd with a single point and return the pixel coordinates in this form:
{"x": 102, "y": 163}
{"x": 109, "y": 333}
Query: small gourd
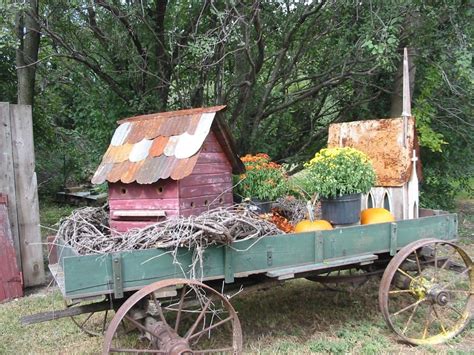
{"x": 376, "y": 215}
{"x": 307, "y": 225}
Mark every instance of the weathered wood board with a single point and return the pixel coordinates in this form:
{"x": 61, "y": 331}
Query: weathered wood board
{"x": 7, "y": 178}
{"x": 18, "y": 181}
{"x": 26, "y": 188}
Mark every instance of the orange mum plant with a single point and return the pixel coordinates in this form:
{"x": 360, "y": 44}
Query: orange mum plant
{"x": 263, "y": 179}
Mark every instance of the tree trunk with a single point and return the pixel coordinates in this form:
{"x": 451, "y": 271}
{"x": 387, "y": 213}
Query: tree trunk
{"x": 27, "y": 53}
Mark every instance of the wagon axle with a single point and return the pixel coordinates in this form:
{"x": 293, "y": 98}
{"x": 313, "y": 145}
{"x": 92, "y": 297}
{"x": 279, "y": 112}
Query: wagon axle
{"x": 166, "y": 338}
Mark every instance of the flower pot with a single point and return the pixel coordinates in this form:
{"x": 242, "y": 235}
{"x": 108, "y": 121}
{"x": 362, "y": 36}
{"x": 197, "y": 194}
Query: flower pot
{"x": 260, "y": 206}
{"x": 341, "y": 210}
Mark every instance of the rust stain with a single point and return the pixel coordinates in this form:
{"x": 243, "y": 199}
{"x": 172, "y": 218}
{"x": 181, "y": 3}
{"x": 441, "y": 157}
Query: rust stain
{"x": 121, "y": 153}
{"x": 184, "y": 167}
{"x": 137, "y": 132}
{"x": 118, "y": 170}
{"x": 169, "y": 114}
{"x": 158, "y": 146}
{"x": 129, "y": 175}
{"x": 382, "y": 141}
{"x": 174, "y": 126}
{"x": 193, "y": 123}
{"x": 153, "y": 127}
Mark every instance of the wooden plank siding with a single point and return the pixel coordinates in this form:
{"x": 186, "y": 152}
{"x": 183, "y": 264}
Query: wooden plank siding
{"x": 210, "y": 183}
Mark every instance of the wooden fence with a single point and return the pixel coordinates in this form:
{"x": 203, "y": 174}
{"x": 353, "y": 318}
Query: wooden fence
{"x": 18, "y": 181}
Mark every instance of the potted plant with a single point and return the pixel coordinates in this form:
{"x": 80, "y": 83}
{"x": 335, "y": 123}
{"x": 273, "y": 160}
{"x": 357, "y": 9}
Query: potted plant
{"x": 339, "y": 176}
{"x": 263, "y": 182}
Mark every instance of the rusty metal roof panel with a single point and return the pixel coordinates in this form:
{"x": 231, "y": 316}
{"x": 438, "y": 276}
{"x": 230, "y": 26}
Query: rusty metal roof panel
{"x": 384, "y": 141}
{"x": 175, "y": 126}
{"x": 140, "y": 150}
{"x": 150, "y": 170}
{"x": 118, "y": 170}
{"x": 168, "y": 167}
{"x": 171, "y": 146}
{"x": 120, "y": 134}
{"x": 137, "y": 132}
{"x": 130, "y": 175}
{"x": 184, "y": 167}
{"x": 117, "y": 154}
{"x": 156, "y": 146}
{"x": 193, "y": 122}
{"x": 100, "y": 175}
{"x": 171, "y": 114}
{"x": 153, "y": 128}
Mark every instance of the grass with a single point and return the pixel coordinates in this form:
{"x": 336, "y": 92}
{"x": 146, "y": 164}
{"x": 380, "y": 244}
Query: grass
{"x": 300, "y": 317}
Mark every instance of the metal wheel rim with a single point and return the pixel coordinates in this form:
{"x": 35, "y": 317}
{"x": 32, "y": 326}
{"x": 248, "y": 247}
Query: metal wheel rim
{"x": 388, "y": 277}
{"x": 147, "y": 290}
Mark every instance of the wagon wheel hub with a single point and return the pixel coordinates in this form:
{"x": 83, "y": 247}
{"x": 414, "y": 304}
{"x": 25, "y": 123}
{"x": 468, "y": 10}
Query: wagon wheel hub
{"x": 438, "y": 296}
{"x": 420, "y": 286}
{"x": 167, "y": 339}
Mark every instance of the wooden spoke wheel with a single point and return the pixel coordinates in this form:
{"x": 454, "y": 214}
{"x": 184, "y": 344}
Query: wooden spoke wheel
{"x": 176, "y": 316}
{"x": 426, "y": 292}
{"x": 93, "y": 323}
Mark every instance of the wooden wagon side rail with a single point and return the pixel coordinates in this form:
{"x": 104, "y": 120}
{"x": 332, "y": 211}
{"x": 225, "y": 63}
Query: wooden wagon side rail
{"x": 90, "y": 275}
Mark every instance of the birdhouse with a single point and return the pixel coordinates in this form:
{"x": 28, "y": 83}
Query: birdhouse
{"x": 393, "y": 148}
{"x": 168, "y": 164}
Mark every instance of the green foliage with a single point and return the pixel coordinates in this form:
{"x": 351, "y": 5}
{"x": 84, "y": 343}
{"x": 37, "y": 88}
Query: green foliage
{"x": 337, "y": 171}
{"x": 285, "y": 71}
{"x": 263, "y": 179}
{"x": 425, "y": 112}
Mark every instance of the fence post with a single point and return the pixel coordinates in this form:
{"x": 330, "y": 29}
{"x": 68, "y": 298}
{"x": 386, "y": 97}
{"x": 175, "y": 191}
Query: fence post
{"x": 26, "y": 188}
{"x": 18, "y": 181}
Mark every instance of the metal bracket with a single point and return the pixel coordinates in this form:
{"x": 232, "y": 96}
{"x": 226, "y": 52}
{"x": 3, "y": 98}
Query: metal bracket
{"x": 393, "y": 239}
{"x": 318, "y": 248}
{"x": 269, "y": 257}
{"x": 117, "y": 275}
{"x": 228, "y": 269}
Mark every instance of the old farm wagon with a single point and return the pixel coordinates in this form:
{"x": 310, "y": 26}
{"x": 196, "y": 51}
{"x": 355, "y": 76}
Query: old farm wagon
{"x": 181, "y": 163}
{"x": 425, "y": 292}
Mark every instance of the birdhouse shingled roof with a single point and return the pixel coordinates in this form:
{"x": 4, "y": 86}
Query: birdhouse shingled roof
{"x": 147, "y": 148}
{"x": 386, "y": 144}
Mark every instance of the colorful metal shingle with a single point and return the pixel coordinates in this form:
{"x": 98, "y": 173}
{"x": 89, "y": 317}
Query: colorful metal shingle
{"x": 161, "y": 145}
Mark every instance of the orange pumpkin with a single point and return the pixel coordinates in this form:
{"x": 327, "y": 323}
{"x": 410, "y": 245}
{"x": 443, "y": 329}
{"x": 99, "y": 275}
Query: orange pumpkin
{"x": 307, "y": 226}
{"x": 376, "y": 215}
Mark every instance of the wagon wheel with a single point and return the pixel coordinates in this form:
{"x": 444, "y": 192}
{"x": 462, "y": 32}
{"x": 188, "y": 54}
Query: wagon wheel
{"x": 426, "y": 292}
{"x": 197, "y": 319}
{"x": 94, "y": 323}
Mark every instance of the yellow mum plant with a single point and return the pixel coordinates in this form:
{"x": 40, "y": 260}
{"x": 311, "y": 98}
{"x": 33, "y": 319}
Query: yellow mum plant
{"x": 338, "y": 171}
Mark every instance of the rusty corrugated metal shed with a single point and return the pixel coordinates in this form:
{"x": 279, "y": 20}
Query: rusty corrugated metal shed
{"x": 161, "y": 145}
{"x": 383, "y": 141}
